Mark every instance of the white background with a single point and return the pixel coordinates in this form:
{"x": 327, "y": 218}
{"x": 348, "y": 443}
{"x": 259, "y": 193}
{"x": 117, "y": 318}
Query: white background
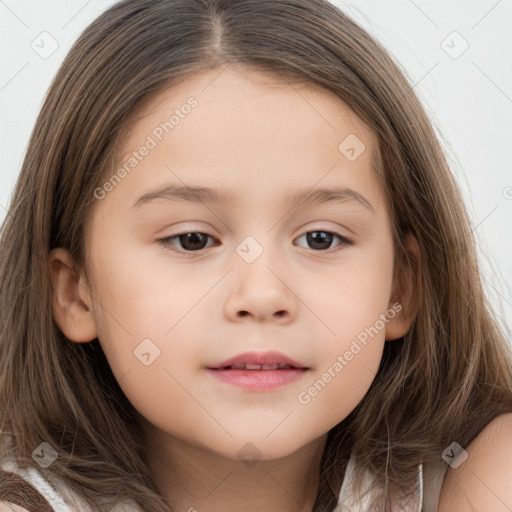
{"x": 469, "y": 98}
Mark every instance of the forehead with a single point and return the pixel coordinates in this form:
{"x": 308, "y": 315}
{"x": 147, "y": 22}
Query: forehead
{"x": 247, "y": 129}
{"x": 244, "y": 96}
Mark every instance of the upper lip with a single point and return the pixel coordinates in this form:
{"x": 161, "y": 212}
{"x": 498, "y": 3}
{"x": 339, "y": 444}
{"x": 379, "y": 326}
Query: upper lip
{"x": 259, "y": 358}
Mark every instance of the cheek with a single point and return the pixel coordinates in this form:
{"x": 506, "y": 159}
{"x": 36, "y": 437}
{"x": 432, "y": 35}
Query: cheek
{"x": 349, "y": 296}
{"x": 343, "y": 376}
{"x": 149, "y": 317}
{"x": 347, "y": 361}
{"x": 354, "y": 308}
{"x": 146, "y": 296}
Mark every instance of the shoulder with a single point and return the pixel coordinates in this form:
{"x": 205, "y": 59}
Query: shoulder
{"x": 482, "y": 481}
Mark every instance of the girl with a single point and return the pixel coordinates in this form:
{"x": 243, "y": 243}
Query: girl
{"x": 331, "y": 348}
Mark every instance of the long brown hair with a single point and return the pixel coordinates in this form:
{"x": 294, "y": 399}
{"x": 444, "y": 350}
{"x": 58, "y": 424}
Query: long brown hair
{"x": 442, "y": 382}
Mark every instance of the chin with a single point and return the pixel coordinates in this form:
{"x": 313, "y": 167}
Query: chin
{"x": 249, "y": 449}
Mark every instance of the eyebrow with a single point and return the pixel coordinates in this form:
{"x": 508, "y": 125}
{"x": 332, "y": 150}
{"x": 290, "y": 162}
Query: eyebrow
{"x": 198, "y": 194}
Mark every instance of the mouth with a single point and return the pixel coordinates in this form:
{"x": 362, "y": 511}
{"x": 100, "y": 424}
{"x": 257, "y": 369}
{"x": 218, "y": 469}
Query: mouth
{"x": 268, "y": 361}
{"x": 258, "y": 371}
{"x": 248, "y": 366}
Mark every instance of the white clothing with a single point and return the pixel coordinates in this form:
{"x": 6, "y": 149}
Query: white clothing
{"x": 426, "y": 500}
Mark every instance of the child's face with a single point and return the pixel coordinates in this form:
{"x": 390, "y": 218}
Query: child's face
{"x": 257, "y": 282}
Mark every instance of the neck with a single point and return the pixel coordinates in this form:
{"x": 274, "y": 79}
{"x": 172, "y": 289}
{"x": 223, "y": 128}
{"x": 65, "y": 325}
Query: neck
{"x": 194, "y": 479}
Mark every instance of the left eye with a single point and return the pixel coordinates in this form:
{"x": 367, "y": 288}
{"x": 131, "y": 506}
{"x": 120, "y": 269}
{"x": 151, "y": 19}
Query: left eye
{"x": 320, "y": 239}
{"x": 195, "y": 241}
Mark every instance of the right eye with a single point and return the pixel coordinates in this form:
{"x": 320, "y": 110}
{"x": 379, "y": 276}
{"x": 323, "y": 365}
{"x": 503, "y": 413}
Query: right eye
{"x": 192, "y": 241}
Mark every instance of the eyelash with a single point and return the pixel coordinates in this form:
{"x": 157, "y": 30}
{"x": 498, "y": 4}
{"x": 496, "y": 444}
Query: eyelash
{"x": 166, "y": 245}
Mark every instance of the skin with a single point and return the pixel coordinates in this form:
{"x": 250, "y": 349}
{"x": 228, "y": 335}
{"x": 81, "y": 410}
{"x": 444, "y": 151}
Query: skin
{"x": 482, "y": 481}
{"x": 259, "y": 137}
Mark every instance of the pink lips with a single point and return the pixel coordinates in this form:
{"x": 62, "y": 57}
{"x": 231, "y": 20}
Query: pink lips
{"x": 258, "y": 371}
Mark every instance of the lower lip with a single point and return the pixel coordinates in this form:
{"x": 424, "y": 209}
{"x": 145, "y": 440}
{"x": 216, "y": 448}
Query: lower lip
{"x": 258, "y": 380}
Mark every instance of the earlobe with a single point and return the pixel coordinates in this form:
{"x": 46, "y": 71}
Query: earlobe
{"x": 405, "y": 291}
{"x": 71, "y": 299}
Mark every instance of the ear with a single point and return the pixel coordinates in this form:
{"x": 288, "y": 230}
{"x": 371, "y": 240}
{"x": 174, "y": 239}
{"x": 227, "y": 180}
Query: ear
{"x": 71, "y": 299}
{"x": 405, "y": 291}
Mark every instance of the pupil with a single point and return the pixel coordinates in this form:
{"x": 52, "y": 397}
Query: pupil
{"x": 319, "y": 239}
{"x": 193, "y": 241}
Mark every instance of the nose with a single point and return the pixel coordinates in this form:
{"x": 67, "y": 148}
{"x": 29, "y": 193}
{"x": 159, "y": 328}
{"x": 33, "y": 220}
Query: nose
{"x": 260, "y": 293}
